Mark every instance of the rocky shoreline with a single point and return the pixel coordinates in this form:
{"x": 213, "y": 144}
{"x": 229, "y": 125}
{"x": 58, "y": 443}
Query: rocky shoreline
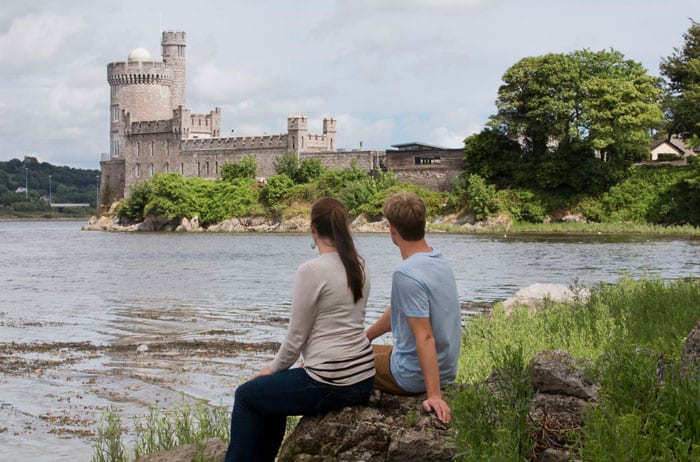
{"x": 259, "y": 224}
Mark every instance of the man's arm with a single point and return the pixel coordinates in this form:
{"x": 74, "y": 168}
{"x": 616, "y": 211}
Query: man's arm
{"x": 427, "y": 358}
{"x": 380, "y": 327}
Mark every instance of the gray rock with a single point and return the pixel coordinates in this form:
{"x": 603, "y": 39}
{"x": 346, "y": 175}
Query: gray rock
{"x": 388, "y": 428}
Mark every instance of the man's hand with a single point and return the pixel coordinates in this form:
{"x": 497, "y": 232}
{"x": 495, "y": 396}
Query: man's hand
{"x": 440, "y": 407}
{"x": 266, "y": 370}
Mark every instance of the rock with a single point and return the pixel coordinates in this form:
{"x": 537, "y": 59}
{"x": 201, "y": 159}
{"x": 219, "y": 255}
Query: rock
{"x": 555, "y": 372}
{"x": 691, "y": 350}
{"x": 533, "y": 294}
{"x": 361, "y": 224}
{"x": 388, "y": 428}
{"x": 562, "y": 393}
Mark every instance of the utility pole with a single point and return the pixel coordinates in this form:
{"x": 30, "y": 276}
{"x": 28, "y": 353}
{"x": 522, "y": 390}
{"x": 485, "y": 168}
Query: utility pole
{"x": 49, "y": 189}
{"x": 26, "y": 183}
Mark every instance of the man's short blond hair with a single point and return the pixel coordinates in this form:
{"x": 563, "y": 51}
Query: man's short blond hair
{"x": 406, "y": 213}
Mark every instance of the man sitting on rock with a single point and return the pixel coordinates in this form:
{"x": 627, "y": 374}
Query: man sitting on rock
{"x": 424, "y": 316}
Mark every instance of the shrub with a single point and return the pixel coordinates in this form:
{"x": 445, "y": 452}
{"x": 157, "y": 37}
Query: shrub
{"x": 244, "y": 168}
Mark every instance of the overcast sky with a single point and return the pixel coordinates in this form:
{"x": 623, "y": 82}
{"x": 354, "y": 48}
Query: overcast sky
{"x": 389, "y": 71}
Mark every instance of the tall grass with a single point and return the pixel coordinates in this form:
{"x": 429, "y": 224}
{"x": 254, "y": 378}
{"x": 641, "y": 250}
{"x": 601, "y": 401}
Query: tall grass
{"x": 630, "y": 330}
{"x": 160, "y": 430}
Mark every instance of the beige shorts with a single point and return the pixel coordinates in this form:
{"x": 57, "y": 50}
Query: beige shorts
{"x": 383, "y": 379}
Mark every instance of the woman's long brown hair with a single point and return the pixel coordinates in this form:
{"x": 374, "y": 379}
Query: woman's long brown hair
{"x": 330, "y": 218}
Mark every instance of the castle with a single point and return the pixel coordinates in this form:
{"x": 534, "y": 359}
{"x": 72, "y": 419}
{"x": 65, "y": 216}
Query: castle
{"x": 152, "y": 131}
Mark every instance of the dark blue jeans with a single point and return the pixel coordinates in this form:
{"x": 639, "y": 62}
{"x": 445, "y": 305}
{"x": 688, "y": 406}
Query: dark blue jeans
{"x": 261, "y": 407}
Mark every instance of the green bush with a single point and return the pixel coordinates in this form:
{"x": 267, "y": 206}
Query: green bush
{"x": 481, "y": 197}
{"x": 243, "y": 169}
{"x": 275, "y": 189}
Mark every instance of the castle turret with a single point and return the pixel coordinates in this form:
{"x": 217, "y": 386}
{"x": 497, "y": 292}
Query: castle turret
{"x": 329, "y": 130}
{"x": 173, "y": 44}
{"x": 297, "y": 128}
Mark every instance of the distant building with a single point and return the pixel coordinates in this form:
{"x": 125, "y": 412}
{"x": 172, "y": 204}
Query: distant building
{"x": 432, "y": 167}
{"x": 673, "y": 149}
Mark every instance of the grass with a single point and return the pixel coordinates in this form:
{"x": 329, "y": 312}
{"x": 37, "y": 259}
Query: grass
{"x": 190, "y": 422}
{"x": 626, "y": 329}
{"x": 574, "y": 228}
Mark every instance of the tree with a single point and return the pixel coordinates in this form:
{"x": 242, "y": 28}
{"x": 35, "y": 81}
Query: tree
{"x": 491, "y": 155}
{"x": 682, "y": 99}
{"x": 298, "y": 171}
{"x": 244, "y": 168}
{"x": 566, "y": 110}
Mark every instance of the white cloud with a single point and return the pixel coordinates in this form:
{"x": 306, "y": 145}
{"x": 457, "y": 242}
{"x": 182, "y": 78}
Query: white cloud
{"x": 213, "y": 83}
{"x": 34, "y": 42}
{"x": 372, "y": 134}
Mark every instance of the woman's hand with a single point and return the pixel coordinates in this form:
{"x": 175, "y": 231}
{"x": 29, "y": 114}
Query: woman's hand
{"x": 266, "y": 370}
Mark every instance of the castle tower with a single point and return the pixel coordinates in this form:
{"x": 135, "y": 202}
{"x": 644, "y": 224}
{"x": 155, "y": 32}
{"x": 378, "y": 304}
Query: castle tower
{"x": 329, "y": 129}
{"x": 297, "y": 128}
{"x": 173, "y": 44}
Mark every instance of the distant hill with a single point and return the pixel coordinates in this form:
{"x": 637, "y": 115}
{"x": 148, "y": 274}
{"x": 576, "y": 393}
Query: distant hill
{"x": 41, "y": 180}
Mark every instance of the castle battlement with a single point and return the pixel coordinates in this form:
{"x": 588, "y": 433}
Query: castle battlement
{"x": 121, "y": 73}
{"x": 151, "y": 126}
{"x": 238, "y": 142}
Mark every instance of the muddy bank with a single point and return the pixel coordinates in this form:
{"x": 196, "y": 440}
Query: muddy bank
{"x": 53, "y": 394}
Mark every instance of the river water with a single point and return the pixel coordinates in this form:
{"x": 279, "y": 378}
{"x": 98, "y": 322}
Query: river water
{"x": 75, "y": 305}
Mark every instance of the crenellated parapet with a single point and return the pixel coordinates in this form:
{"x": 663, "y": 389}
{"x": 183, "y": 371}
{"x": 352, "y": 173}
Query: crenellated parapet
{"x": 139, "y": 72}
{"x": 237, "y": 143}
{"x": 150, "y": 126}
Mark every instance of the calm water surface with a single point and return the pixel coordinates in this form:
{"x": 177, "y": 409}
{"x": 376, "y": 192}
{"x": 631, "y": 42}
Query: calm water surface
{"x": 61, "y": 284}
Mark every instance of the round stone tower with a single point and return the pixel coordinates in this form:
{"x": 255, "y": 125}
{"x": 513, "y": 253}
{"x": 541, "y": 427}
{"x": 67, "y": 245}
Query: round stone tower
{"x": 173, "y": 44}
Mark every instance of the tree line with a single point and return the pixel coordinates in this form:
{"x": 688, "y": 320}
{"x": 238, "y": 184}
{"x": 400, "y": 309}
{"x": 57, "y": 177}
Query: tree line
{"x": 27, "y": 185}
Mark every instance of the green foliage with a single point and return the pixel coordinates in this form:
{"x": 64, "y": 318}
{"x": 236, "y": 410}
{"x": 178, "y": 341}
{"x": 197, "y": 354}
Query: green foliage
{"x": 650, "y": 194}
{"x": 275, "y": 189}
{"x": 583, "y": 118}
{"x": 108, "y": 445}
{"x": 171, "y": 196}
{"x": 494, "y": 424}
{"x": 245, "y": 168}
{"x": 522, "y": 205}
{"x": 682, "y": 75}
{"x": 481, "y": 197}
{"x": 299, "y": 171}
{"x": 188, "y": 423}
{"x": 66, "y": 184}
{"x": 627, "y": 329}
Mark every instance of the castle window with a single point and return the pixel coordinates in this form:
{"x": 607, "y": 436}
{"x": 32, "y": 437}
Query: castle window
{"x": 167, "y": 147}
{"x": 150, "y": 169}
{"x": 207, "y": 168}
{"x": 138, "y": 170}
{"x": 153, "y": 147}
{"x": 166, "y": 168}
{"x": 115, "y": 113}
{"x": 138, "y": 149}
{"x": 182, "y": 169}
{"x": 427, "y": 160}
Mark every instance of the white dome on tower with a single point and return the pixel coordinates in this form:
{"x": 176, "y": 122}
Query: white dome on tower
{"x": 139, "y": 55}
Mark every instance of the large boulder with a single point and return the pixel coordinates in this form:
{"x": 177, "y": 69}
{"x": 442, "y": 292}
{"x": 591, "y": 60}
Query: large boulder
{"x": 534, "y": 294}
{"x": 388, "y": 428}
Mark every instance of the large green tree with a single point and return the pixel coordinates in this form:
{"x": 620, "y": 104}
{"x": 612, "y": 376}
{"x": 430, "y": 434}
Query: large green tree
{"x": 581, "y": 118}
{"x": 681, "y": 71}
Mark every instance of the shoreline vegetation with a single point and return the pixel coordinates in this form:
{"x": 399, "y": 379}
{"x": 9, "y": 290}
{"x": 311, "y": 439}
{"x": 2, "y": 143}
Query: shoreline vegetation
{"x": 630, "y": 333}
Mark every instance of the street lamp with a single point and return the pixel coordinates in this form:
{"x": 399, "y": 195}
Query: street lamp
{"x": 49, "y": 189}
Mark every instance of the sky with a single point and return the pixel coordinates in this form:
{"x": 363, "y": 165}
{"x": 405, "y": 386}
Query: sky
{"x": 389, "y": 71}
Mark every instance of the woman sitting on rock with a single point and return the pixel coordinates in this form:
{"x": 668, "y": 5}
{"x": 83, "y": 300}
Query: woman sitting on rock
{"x": 326, "y": 328}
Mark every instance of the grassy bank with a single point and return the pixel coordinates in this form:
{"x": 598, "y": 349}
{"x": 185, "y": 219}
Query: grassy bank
{"x": 572, "y": 228}
{"x": 624, "y": 329}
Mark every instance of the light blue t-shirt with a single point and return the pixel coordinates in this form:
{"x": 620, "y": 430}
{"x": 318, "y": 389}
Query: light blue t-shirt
{"x": 424, "y": 286}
